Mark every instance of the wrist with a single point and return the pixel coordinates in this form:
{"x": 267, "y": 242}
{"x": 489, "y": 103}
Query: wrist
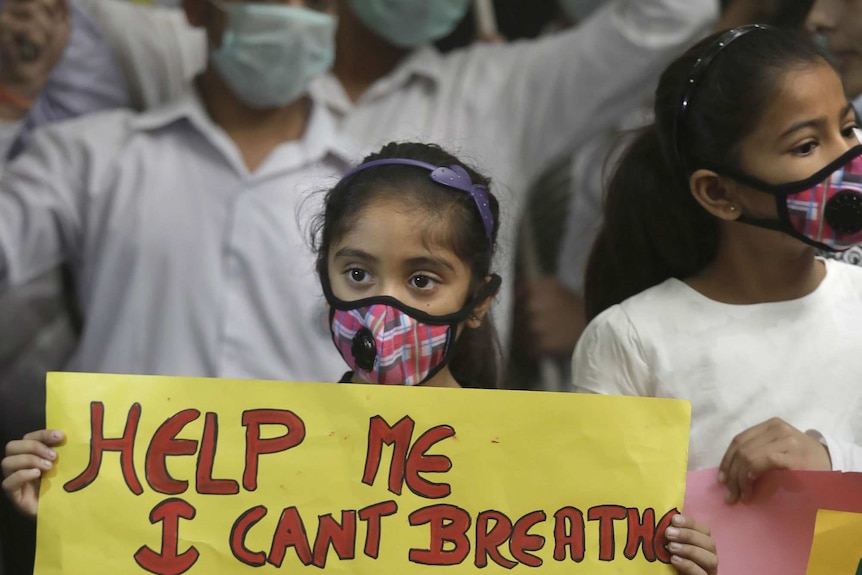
{"x": 824, "y": 443}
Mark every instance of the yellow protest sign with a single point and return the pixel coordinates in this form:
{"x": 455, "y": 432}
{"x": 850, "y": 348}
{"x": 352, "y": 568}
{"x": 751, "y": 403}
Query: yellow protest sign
{"x": 837, "y": 548}
{"x": 172, "y": 475}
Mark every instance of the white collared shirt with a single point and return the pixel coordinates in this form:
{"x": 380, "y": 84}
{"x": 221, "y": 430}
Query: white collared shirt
{"x": 187, "y": 264}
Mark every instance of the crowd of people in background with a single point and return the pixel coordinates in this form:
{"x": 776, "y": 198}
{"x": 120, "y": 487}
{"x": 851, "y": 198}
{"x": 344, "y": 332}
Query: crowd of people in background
{"x": 656, "y": 198}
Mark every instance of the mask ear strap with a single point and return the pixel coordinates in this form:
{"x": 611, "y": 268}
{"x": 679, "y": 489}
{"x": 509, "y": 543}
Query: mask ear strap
{"x": 780, "y": 226}
{"x": 487, "y": 290}
{"x": 776, "y": 225}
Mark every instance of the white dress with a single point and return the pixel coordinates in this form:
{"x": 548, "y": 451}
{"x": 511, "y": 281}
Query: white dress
{"x": 739, "y": 365}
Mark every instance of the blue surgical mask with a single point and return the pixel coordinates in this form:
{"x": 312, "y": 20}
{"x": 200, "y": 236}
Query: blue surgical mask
{"x": 579, "y": 10}
{"x": 270, "y": 52}
{"x": 411, "y": 23}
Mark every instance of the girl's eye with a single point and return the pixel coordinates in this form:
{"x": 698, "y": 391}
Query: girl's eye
{"x": 357, "y": 275}
{"x": 851, "y": 132}
{"x": 805, "y": 149}
{"x": 422, "y": 282}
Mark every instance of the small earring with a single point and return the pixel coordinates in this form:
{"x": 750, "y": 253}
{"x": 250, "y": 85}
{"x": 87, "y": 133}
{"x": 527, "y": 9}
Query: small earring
{"x": 474, "y": 317}
{"x": 732, "y": 208}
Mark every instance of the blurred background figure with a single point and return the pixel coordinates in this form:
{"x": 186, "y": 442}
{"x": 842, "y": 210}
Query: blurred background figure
{"x": 165, "y": 3}
{"x": 100, "y": 192}
{"x": 58, "y": 63}
{"x": 838, "y": 26}
{"x": 556, "y": 231}
{"x": 790, "y": 14}
{"x": 55, "y": 65}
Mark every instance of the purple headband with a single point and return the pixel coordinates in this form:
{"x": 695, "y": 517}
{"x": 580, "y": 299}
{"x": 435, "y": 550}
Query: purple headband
{"x": 452, "y": 177}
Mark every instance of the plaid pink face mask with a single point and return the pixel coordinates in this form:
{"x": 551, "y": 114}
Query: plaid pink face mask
{"x": 385, "y": 341}
{"x": 824, "y": 210}
{"x": 383, "y": 344}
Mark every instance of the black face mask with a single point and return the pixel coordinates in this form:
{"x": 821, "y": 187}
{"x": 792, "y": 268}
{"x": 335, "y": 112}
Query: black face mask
{"x": 824, "y": 210}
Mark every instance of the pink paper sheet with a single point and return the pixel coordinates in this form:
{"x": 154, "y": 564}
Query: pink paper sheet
{"x": 772, "y": 533}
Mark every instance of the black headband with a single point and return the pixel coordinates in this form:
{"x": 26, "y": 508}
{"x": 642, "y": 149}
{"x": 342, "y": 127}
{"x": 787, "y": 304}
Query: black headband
{"x": 453, "y": 176}
{"x": 696, "y": 76}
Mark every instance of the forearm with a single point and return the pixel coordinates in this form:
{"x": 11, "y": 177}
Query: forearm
{"x": 581, "y": 82}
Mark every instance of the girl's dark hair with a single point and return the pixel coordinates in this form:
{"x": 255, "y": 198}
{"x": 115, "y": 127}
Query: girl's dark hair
{"x": 653, "y": 228}
{"x": 475, "y": 360}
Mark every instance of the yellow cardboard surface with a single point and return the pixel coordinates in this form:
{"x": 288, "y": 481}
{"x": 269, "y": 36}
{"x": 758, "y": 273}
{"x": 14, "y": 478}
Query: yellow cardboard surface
{"x": 485, "y": 477}
{"x": 837, "y": 548}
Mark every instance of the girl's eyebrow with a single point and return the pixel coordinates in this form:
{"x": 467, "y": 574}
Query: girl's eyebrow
{"x": 419, "y": 261}
{"x": 352, "y": 253}
{"x": 814, "y": 123}
{"x": 430, "y": 261}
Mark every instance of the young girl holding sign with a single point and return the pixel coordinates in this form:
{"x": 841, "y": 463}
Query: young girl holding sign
{"x": 405, "y": 245}
{"x": 704, "y": 283}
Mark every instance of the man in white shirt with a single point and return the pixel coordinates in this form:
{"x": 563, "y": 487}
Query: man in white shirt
{"x": 181, "y": 223}
{"x": 839, "y": 25}
{"x": 71, "y": 70}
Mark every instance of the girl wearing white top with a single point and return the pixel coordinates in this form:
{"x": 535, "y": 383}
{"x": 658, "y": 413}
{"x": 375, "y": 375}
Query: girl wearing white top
{"x": 703, "y": 283}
